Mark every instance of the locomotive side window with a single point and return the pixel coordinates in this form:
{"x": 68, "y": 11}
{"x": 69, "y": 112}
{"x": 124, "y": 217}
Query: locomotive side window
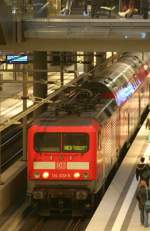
{"x": 47, "y": 142}
{"x": 75, "y": 142}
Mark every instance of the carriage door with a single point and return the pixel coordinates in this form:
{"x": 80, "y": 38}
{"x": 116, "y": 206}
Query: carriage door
{"x": 100, "y": 160}
{"x": 107, "y": 148}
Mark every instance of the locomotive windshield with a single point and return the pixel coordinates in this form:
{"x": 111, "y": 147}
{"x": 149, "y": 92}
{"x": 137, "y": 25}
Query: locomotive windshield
{"x": 47, "y": 142}
{"x": 61, "y": 142}
{"x": 75, "y": 142}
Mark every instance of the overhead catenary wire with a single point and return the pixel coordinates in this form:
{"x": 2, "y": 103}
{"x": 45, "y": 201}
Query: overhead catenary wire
{"x": 40, "y": 102}
{"x": 15, "y": 119}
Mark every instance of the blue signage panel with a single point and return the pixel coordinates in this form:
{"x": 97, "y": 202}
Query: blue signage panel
{"x": 12, "y": 59}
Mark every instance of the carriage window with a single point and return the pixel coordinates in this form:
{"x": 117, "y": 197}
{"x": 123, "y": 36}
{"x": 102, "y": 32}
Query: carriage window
{"x": 47, "y": 142}
{"x": 75, "y": 142}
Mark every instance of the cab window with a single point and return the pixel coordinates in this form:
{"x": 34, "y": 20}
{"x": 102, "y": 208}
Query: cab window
{"x": 75, "y": 142}
{"x": 61, "y": 142}
{"x": 47, "y": 142}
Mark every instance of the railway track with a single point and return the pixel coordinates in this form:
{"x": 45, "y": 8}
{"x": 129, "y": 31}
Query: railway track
{"x": 11, "y": 146}
{"x": 25, "y": 218}
{"x": 57, "y": 224}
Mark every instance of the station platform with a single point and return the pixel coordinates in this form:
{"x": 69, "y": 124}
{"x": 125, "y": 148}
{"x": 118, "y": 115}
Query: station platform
{"x": 11, "y": 93}
{"x": 118, "y": 210}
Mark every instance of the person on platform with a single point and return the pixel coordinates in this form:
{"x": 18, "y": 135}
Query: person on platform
{"x": 67, "y": 9}
{"x": 145, "y": 8}
{"x": 143, "y": 171}
{"x": 142, "y": 196}
{"x": 147, "y": 125}
{"x": 85, "y": 8}
{"x": 128, "y": 8}
{"x": 94, "y": 7}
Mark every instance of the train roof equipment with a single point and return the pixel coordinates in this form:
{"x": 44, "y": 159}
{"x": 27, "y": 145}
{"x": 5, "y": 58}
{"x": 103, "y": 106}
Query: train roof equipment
{"x": 98, "y": 95}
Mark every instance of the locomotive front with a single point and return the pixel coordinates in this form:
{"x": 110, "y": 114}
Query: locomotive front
{"x": 62, "y": 164}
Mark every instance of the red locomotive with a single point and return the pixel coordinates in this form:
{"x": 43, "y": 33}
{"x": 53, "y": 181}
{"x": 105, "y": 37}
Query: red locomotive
{"x": 73, "y": 147}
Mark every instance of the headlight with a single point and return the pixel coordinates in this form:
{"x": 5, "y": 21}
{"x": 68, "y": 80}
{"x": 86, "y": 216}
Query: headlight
{"x": 36, "y": 175}
{"x": 45, "y": 175}
{"x": 76, "y": 175}
{"x": 85, "y": 175}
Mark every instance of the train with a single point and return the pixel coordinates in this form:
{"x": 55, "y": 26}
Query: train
{"x": 73, "y": 146}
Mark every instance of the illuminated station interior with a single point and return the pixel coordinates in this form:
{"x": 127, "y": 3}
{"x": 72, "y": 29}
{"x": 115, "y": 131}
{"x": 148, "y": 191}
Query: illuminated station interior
{"x": 74, "y": 114}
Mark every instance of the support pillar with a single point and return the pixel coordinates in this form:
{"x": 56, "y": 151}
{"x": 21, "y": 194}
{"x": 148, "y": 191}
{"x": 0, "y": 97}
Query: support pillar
{"x": 100, "y": 58}
{"x": 61, "y": 68}
{"x": 88, "y": 61}
{"x": 75, "y": 65}
{"x": 100, "y": 61}
{"x": 25, "y": 98}
{"x": 39, "y": 77}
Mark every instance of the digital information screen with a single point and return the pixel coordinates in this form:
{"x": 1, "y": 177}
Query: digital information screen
{"x": 75, "y": 148}
{"x": 20, "y": 59}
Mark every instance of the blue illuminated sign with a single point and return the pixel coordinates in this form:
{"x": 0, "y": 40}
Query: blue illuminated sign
{"x": 123, "y": 93}
{"x": 12, "y": 59}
